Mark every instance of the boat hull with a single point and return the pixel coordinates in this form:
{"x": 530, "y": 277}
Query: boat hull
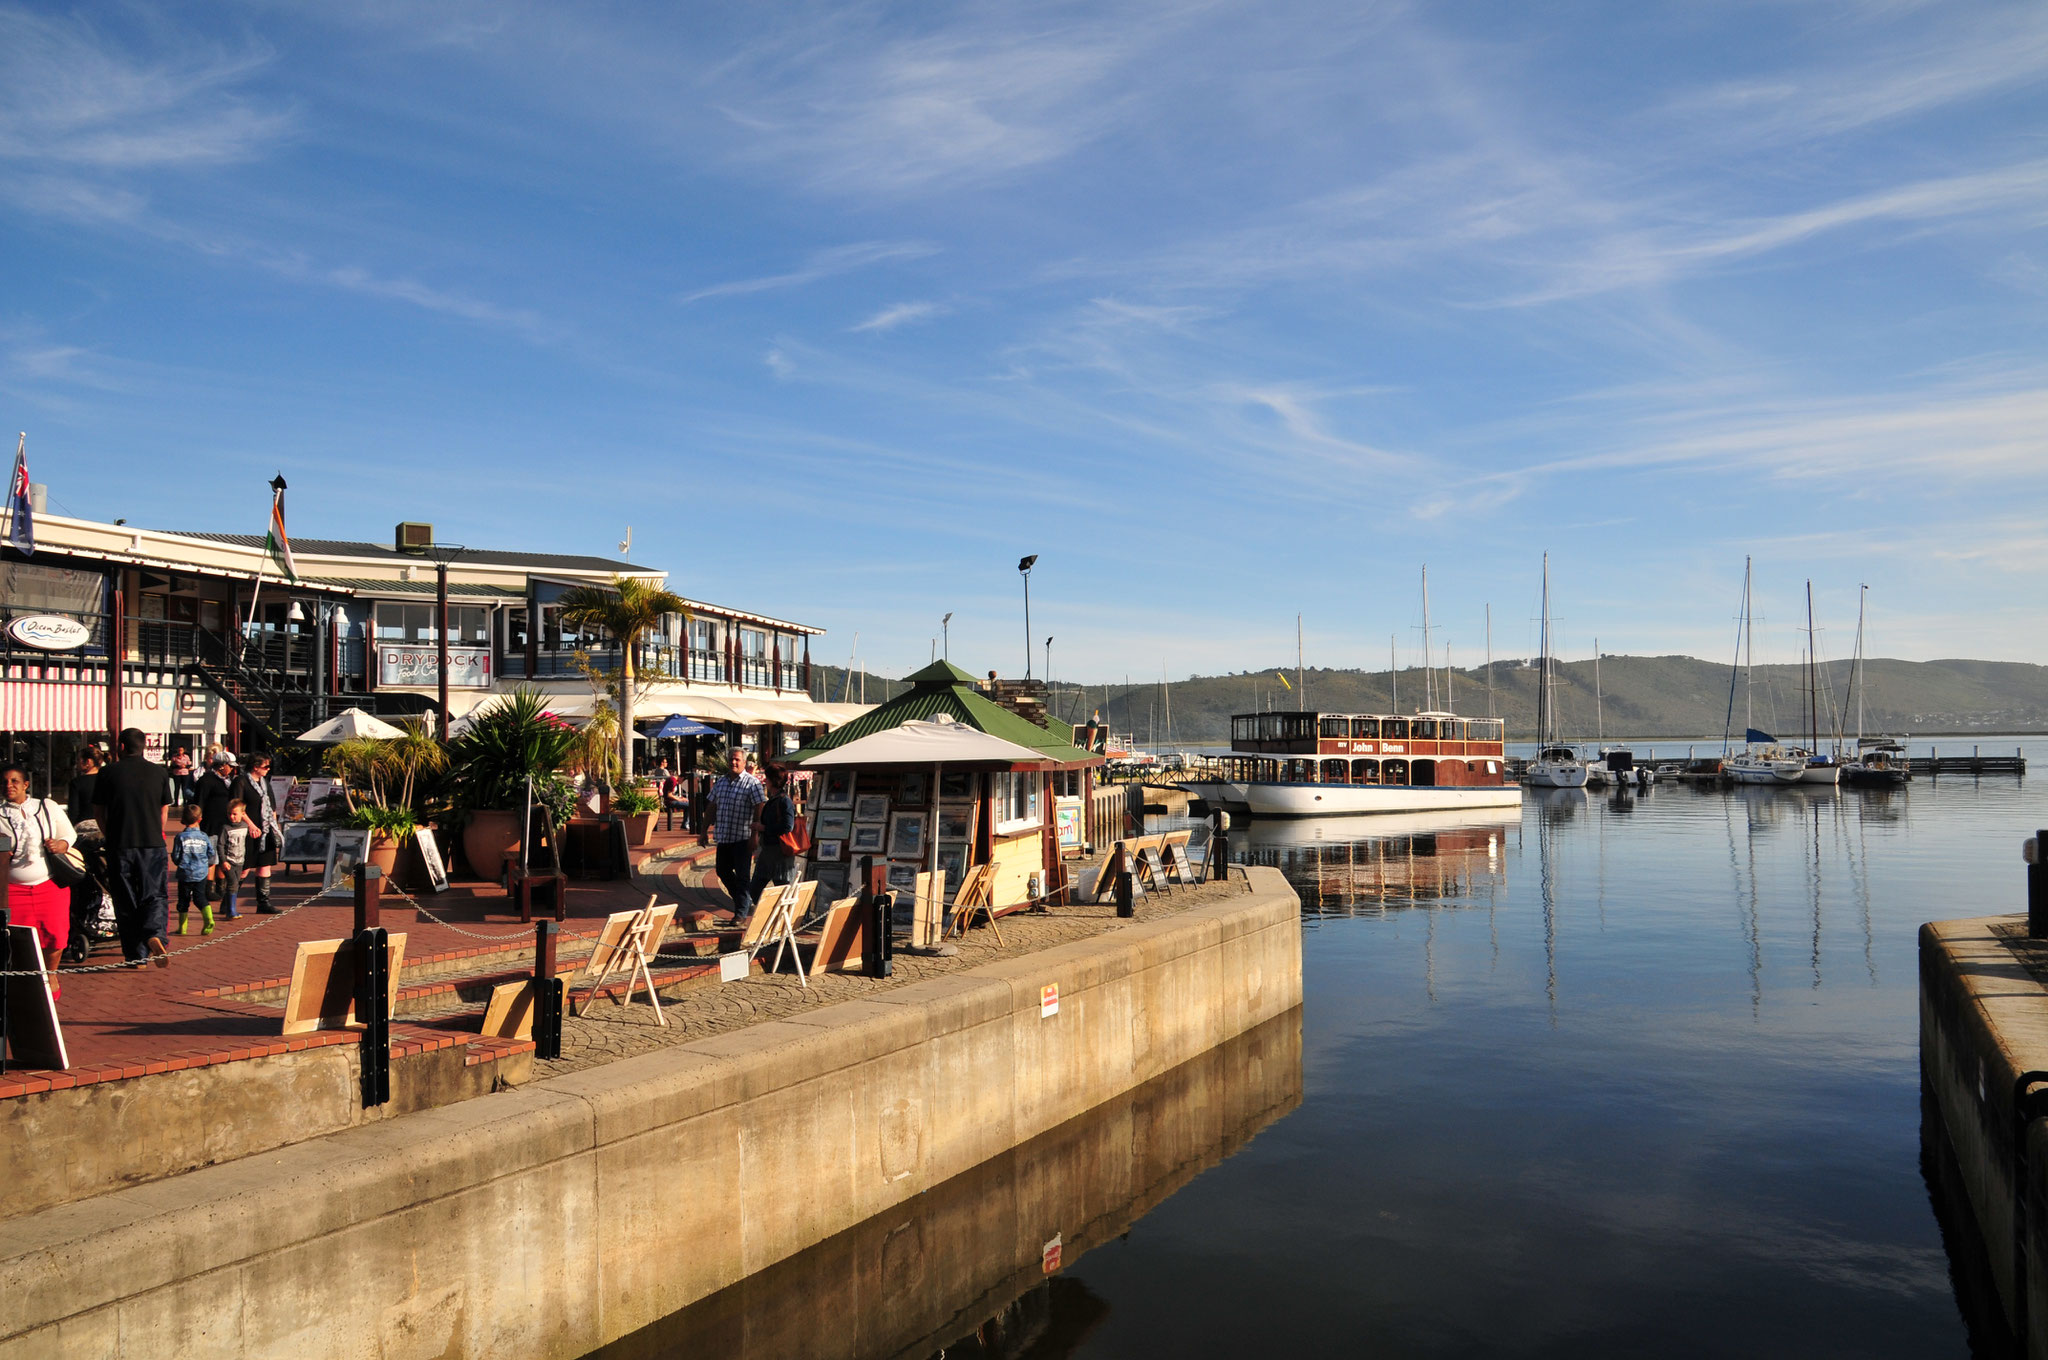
{"x": 1356, "y": 800}
{"x": 1778, "y": 773}
{"x": 1546, "y": 775}
{"x": 1224, "y": 793}
{"x": 1821, "y": 774}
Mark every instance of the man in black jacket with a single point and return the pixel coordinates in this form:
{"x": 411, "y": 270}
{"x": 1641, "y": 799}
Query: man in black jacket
{"x": 129, "y": 798}
{"x": 85, "y": 897}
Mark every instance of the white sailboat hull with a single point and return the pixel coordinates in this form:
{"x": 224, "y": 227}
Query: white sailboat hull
{"x": 1350, "y": 800}
{"x": 1223, "y": 793}
{"x": 1551, "y": 774}
{"x": 1821, "y": 774}
{"x": 1785, "y": 772}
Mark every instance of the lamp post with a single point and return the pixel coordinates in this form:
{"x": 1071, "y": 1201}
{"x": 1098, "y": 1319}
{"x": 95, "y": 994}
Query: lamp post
{"x": 1024, "y": 566}
{"x": 442, "y": 555}
{"x": 1048, "y": 664}
{"x": 946, "y": 637}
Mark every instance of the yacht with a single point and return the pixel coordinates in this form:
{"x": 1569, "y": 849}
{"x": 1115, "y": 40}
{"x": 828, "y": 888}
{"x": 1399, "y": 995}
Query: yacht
{"x": 1556, "y": 766}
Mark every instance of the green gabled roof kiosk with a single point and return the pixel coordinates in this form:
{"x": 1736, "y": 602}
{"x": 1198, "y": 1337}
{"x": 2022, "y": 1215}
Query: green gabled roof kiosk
{"x": 1000, "y": 813}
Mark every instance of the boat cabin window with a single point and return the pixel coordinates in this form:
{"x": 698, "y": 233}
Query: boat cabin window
{"x": 1394, "y": 729}
{"x": 1393, "y": 772}
{"x": 1365, "y": 772}
{"x": 1336, "y": 772}
{"x": 1424, "y": 774}
{"x": 1485, "y": 729}
{"x": 1336, "y": 727}
{"x": 1365, "y": 727}
{"x": 1424, "y": 729}
{"x": 1244, "y": 727}
{"x": 1297, "y": 726}
{"x": 1558, "y": 753}
{"x": 1450, "y": 729}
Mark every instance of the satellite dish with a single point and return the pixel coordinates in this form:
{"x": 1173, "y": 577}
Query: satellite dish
{"x": 626, "y": 543}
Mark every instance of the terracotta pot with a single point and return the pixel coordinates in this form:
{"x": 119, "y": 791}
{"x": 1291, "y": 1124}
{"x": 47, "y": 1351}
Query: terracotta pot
{"x": 384, "y": 854}
{"x": 488, "y": 840}
{"x": 639, "y": 826}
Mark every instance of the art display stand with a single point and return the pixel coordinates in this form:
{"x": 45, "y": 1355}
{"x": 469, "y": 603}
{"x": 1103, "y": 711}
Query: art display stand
{"x": 628, "y": 940}
{"x": 778, "y": 927}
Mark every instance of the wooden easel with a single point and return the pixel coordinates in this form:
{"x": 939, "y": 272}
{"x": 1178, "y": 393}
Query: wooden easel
{"x": 977, "y": 894}
{"x": 1105, "y": 878}
{"x": 647, "y": 925}
{"x": 780, "y": 927}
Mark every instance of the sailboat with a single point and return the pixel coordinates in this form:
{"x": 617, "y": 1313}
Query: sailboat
{"x": 1880, "y": 762}
{"x": 1771, "y": 765}
{"x": 1820, "y": 769}
{"x": 1556, "y": 766}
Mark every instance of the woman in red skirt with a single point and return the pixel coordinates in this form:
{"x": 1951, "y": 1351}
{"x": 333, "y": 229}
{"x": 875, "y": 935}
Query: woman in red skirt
{"x": 40, "y": 829}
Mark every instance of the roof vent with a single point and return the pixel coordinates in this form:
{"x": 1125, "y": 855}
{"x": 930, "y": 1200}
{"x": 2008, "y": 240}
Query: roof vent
{"x": 413, "y": 537}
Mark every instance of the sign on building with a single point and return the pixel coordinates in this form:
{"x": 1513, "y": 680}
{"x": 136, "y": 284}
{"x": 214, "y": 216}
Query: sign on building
{"x": 399, "y": 664}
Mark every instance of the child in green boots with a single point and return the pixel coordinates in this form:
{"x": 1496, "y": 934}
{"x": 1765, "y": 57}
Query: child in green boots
{"x": 193, "y": 854}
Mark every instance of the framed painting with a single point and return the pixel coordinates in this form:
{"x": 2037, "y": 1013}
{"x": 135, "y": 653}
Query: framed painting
{"x": 830, "y": 852}
{"x": 831, "y": 880}
{"x": 347, "y": 846}
{"x": 906, "y": 836}
{"x": 832, "y": 824}
{"x": 868, "y": 839}
{"x": 835, "y": 789}
{"x": 956, "y": 784}
{"x": 430, "y": 859}
{"x": 956, "y": 821}
{"x": 953, "y": 864}
{"x": 903, "y": 878}
{"x": 913, "y": 787}
{"x": 305, "y": 843}
{"x": 871, "y": 807}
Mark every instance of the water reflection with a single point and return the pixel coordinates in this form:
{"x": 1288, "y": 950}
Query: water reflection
{"x": 974, "y": 1266}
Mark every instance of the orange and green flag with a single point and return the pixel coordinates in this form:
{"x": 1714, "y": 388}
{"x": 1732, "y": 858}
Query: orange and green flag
{"x": 277, "y": 542}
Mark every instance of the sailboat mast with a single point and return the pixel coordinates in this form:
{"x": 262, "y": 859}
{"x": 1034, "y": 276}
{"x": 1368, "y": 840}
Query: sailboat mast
{"x": 1429, "y": 702}
{"x": 1856, "y": 676}
{"x": 1393, "y": 679}
{"x": 1812, "y": 688}
{"x": 1489, "y": 659}
{"x": 1748, "y": 659}
{"x": 1300, "y": 683}
{"x": 1543, "y": 724}
{"x": 1599, "y": 702}
{"x": 1450, "y": 703}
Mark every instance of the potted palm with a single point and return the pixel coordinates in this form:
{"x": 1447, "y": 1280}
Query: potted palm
{"x": 626, "y": 609}
{"x": 369, "y": 773}
{"x": 637, "y": 806}
{"x": 512, "y": 747}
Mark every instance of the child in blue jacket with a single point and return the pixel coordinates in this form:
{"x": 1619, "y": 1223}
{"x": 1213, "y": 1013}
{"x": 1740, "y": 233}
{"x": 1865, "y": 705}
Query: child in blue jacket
{"x": 193, "y": 854}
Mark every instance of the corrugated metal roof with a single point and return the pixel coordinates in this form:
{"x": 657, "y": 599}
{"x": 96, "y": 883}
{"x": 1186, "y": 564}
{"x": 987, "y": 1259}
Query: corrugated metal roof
{"x": 471, "y": 557}
{"x": 456, "y": 590}
{"x": 944, "y": 688}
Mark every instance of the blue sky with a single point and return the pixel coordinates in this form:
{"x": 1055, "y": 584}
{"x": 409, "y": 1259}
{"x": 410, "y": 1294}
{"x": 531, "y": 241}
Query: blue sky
{"x": 1228, "y": 311}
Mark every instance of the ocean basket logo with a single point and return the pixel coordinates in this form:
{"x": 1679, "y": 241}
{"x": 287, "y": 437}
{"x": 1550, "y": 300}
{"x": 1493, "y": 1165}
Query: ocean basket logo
{"x": 49, "y": 632}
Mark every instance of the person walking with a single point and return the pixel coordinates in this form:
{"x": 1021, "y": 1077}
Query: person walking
{"x": 266, "y": 833}
{"x": 736, "y": 802}
{"x": 129, "y": 798}
{"x": 214, "y": 790}
{"x": 776, "y": 862}
{"x": 182, "y": 778}
{"x": 233, "y": 846}
{"x": 40, "y": 830}
{"x": 195, "y": 854}
{"x": 85, "y": 897}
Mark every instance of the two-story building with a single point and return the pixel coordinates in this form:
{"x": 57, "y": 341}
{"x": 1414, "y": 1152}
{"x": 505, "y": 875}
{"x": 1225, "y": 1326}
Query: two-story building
{"x": 194, "y": 638}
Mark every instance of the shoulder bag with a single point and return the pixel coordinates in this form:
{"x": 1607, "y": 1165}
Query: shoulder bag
{"x": 67, "y": 870}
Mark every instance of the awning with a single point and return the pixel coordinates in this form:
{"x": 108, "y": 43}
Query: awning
{"x": 938, "y": 742}
{"x": 676, "y": 725}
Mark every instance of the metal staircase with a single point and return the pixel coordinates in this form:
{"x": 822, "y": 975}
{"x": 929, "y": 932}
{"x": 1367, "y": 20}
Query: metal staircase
{"x": 270, "y": 714}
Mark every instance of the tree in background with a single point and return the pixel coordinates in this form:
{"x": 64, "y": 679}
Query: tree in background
{"x": 625, "y": 609}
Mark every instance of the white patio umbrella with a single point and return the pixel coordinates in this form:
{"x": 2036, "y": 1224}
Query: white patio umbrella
{"x": 349, "y": 723}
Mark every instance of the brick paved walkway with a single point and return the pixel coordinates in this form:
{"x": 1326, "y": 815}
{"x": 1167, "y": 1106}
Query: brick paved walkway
{"x": 193, "y": 1012}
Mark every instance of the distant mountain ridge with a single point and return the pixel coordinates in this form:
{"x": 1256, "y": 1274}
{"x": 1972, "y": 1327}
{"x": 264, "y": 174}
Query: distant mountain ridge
{"x": 1641, "y": 696}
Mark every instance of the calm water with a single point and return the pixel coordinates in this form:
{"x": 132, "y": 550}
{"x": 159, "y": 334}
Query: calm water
{"x": 1616, "y": 1075}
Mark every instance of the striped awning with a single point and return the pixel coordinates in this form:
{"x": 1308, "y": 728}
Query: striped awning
{"x": 41, "y": 706}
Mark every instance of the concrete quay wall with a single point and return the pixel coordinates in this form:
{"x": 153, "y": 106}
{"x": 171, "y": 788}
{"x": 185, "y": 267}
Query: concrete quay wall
{"x": 1984, "y": 1023}
{"x": 553, "y": 1219}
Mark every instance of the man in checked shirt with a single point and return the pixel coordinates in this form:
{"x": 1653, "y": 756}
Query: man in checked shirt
{"x": 736, "y": 803}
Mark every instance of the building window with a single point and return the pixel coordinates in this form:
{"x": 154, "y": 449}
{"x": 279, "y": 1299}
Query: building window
{"x": 1016, "y": 802}
{"x": 414, "y": 624}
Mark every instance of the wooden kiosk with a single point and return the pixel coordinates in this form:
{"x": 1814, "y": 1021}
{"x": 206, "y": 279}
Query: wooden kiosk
{"x": 941, "y": 780}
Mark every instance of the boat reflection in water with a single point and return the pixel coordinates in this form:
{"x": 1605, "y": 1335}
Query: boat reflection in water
{"x": 972, "y": 1268}
{"x": 1351, "y": 866}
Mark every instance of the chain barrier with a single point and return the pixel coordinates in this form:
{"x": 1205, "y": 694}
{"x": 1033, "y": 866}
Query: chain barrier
{"x": 258, "y": 919}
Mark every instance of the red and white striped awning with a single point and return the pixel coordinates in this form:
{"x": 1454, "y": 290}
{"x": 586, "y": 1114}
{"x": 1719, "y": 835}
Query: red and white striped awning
{"x": 39, "y": 706}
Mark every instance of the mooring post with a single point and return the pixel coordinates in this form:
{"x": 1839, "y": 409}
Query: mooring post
{"x": 547, "y": 992}
{"x": 2037, "y": 886}
{"x": 876, "y": 901}
{"x": 1123, "y": 890}
{"x": 373, "y": 987}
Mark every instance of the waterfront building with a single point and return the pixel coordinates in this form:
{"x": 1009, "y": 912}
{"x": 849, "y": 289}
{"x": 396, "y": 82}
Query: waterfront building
{"x": 194, "y": 638}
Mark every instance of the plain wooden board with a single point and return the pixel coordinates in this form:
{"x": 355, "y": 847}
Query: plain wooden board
{"x": 609, "y": 939}
{"x": 841, "y": 940}
{"x": 323, "y": 990}
{"x": 35, "y": 1038}
{"x": 928, "y": 913}
{"x": 510, "y": 1014}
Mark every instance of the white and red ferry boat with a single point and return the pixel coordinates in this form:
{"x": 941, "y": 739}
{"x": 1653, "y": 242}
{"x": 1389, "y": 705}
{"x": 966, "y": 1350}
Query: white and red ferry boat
{"x": 1336, "y": 764}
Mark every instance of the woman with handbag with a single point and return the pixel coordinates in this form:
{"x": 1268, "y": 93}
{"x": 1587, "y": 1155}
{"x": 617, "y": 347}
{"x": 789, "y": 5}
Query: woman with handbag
{"x": 41, "y": 873}
{"x": 783, "y": 836}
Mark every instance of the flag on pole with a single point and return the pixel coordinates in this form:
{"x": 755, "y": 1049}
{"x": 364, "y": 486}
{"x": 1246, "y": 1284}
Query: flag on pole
{"x": 278, "y": 543}
{"x": 21, "y": 519}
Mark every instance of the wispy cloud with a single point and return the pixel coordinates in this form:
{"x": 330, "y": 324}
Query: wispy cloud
{"x": 69, "y": 97}
{"x": 822, "y": 264}
{"x": 901, "y": 314}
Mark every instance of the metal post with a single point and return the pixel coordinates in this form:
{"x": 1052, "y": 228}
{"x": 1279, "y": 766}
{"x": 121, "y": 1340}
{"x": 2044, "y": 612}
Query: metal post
{"x": 876, "y": 958}
{"x": 2037, "y": 886}
{"x": 1219, "y": 856}
{"x": 1124, "y": 906}
{"x": 547, "y": 992}
{"x": 373, "y": 988}
{"x": 441, "y": 636}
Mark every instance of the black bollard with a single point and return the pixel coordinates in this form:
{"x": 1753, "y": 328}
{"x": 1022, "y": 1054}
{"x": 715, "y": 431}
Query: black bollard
{"x": 372, "y": 987}
{"x": 2037, "y": 888}
{"x": 547, "y": 992}
{"x": 1219, "y": 855}
{"x": 1123, "y": 892}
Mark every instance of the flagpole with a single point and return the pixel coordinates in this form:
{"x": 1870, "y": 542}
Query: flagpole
{"x": 20, "y": 453}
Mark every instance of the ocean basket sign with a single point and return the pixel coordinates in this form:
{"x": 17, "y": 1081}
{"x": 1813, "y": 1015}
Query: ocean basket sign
{"x": 49, "y": 632}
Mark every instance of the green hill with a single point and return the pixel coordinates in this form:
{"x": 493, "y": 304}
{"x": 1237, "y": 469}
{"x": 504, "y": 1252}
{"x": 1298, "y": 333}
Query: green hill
{"x": 1641, "y": 696}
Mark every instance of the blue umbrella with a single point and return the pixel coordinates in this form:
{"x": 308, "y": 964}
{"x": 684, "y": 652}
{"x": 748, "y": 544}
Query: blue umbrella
{"x": 677, "y": 725}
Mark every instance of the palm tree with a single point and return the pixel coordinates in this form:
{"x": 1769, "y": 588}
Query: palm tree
{"x": 625, "y": 609}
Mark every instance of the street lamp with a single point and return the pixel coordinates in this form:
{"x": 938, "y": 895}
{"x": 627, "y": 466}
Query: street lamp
{"x": 1048, "y": 663}
{"x": 1024, "y": 566}
{"x": 946, "y": 637}
{"x": 442, "y": 554}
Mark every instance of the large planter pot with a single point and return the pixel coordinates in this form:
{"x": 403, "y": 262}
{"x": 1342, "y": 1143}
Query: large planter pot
{"x": 384, "y": 854}
{"x": 488, "y": 840}
{"x": 639, "y": 826}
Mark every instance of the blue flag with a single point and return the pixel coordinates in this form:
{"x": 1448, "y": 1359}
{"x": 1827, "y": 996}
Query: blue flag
{"x": 21, "y": 519}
